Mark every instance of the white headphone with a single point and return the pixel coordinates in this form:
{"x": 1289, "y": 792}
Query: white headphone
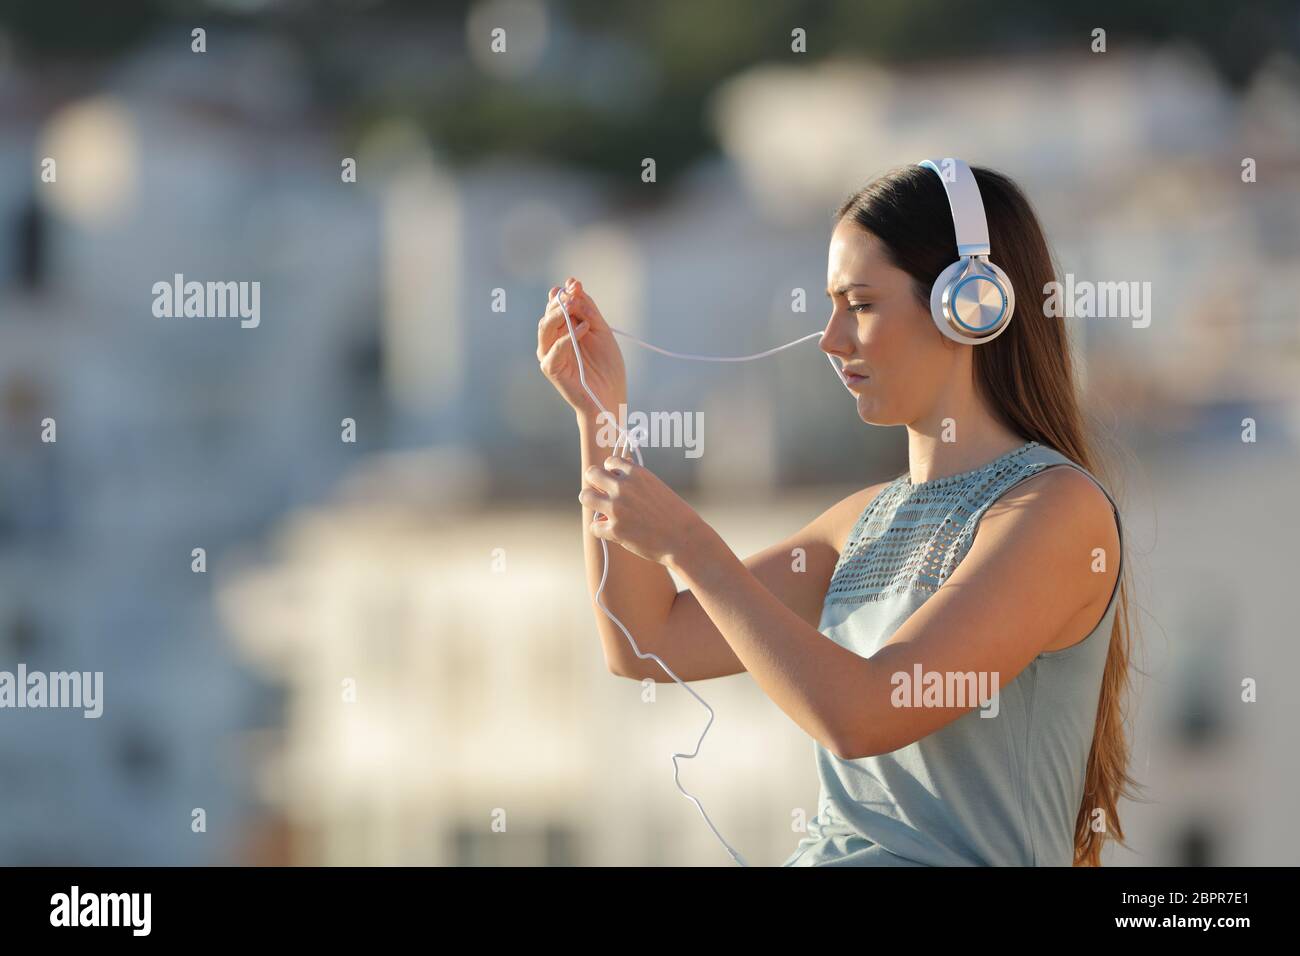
{"x": 972, "y": 300}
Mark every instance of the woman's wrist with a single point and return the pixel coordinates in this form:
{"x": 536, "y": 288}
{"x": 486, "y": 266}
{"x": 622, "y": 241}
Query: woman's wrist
{"x": 590, "y": 420}
{"x": 701, "y": 549}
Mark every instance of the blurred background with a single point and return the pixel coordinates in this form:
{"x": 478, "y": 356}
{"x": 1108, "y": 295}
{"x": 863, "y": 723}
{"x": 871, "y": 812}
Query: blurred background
{"x": 391, "y": 657}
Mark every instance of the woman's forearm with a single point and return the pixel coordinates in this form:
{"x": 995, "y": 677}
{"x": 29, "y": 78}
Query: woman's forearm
{"x": 802, "y": 671}
{"x": 638, "y": 592}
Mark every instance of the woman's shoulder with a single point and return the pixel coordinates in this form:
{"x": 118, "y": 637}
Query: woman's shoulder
{"x": 1059, "y": 489}
{"x": 1068, "y": 500}
{"x": 1061, "y": 523}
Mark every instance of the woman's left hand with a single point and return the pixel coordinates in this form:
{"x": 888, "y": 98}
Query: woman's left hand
{"x": 641, "y": 513}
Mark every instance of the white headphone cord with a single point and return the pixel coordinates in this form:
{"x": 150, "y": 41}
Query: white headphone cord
{"x": 604, "y": 547}
{"x": 717, "y": 358}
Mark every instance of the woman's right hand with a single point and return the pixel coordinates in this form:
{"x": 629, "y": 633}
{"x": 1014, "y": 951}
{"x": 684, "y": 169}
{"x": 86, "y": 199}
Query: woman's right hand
{"x": 602, "y": 359}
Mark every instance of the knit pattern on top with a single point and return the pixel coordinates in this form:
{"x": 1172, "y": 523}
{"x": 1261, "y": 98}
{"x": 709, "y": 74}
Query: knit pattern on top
{"x": 912, "y": 536}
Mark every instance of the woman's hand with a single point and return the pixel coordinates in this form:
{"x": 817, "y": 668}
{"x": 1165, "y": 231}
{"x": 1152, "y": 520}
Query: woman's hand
{"x": 641, "y": 513}
{"x": 601, "y": 357}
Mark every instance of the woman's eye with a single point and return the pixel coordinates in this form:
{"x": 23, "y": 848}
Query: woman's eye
{"x": 859, "y": 306}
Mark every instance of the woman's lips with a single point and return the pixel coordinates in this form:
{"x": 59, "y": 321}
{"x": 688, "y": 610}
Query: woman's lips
{"x": 851, "y": 379}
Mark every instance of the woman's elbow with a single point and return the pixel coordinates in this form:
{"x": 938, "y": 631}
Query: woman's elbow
{"x": 858, "y": 745}
{"x": 856, "y": 753}
{"x": 620, "y": 669}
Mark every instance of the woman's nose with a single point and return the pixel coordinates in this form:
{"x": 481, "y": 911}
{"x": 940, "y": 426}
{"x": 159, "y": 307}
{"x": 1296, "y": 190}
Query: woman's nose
{"x": 831, "y": 341}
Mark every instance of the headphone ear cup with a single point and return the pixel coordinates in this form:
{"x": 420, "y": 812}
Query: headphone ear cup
{"x": 973, "y": 308}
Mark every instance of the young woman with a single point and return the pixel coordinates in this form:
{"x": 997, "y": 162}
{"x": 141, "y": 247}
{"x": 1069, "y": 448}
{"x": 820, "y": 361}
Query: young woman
{"x": 996, "y": 554}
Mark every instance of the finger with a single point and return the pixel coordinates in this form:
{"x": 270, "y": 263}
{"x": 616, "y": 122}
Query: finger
{"x": 630, "y": 444}
{"x": 576, "y": 304}
{"x": 579, "y": 303}
{"x": 622, "y": 466}
{"x": 579, "y": 331}
{"x": 602, "y": 529}
{"x": 549, "y": 326}
{"x": 593, "y": 499}
{"x": 552, "y": 324}
{"x": 599, "y": 478}
{"x": 550, "y": 360}
{"x": 572, "y": 297}
{"x": 552, "y": 316}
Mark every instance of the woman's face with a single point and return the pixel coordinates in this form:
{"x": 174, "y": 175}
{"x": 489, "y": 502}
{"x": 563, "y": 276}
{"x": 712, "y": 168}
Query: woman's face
{"x": 880, "y": 330}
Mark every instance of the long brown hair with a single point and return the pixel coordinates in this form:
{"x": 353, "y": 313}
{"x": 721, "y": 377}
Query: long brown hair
{"x": 1026, "y": 378}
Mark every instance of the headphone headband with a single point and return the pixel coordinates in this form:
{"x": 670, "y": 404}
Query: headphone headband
{"x": 964, "y": 200}
{"x": 972, "y": 300}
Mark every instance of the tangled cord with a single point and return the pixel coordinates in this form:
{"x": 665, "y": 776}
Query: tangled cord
{"x": 626, "y": 441}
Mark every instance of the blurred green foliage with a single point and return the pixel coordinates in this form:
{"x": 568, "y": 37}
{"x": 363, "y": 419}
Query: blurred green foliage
{"x": 690, "y": 45}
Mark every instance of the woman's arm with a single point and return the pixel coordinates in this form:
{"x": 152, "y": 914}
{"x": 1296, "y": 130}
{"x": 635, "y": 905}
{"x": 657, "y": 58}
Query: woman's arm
{"x": 1026, "y": 576}
{"x": 795, "y": 661}
{"x": 674, "y": 625}
{"x": 638, "y": 592}
{"x": 804, "y": 673}
{"x": 638, "y": 589}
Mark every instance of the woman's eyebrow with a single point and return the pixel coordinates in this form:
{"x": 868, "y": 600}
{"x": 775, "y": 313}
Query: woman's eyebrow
{"x": 845, "y": 288}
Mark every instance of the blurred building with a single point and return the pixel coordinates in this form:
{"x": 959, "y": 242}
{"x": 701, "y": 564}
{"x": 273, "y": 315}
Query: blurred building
{"x": 444, "y": 675}
{"x": 172, "y": 434}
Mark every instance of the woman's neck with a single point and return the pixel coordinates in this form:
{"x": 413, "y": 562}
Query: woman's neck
{"x": 941, "y": 453}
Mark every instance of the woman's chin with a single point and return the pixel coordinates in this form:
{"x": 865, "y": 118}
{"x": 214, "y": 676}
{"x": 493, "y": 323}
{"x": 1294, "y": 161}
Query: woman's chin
{"x": 871, "y": 415}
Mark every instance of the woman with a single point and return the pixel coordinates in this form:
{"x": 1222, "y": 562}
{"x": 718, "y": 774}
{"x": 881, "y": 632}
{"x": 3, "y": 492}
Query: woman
{"x": 994, "y": 560}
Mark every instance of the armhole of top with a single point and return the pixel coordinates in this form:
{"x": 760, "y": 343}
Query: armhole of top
{"x": 863, "y": 516}
{"x": 1119, "y": 571}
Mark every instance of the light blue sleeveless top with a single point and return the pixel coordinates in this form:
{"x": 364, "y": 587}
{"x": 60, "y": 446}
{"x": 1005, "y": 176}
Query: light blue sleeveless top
{"x": 980, "y": 791}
